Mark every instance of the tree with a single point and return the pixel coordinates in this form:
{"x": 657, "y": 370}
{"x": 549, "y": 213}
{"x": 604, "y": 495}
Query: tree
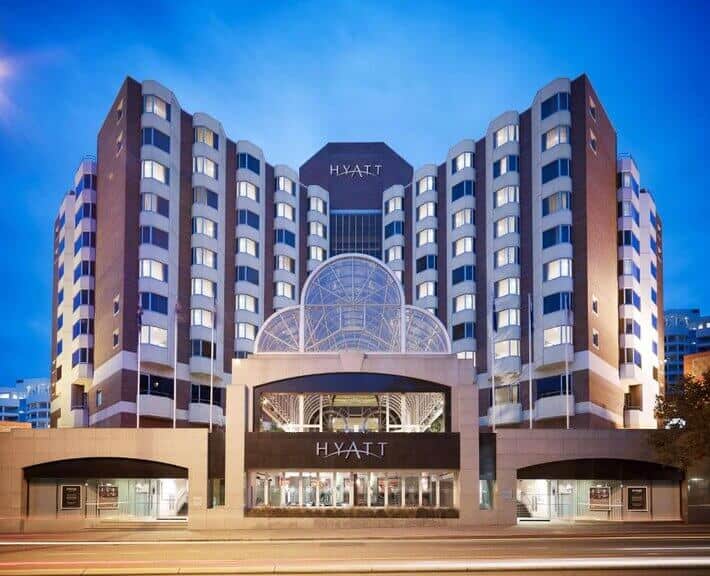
{"x": 685, "y": 418}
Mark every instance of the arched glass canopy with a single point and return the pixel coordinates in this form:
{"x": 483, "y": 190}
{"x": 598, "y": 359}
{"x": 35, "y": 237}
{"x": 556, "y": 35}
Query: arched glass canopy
{"x": 352, "y": 302}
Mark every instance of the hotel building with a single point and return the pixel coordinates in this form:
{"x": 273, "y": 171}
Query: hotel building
{"x": 533, "y": 244}
{"x": 687, "y": 333}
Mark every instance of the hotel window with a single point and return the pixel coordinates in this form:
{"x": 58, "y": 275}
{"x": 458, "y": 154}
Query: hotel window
{"x": 555, "y": 103}
{"x": 201, "y": 317}
{"x": 626, "y": 209}
{"x": 628, "y": 267}
{"x": 592, "y": 109}
{"x": 595, "y": 338}
{"x": 426, "y": 236}
{"x": 203, "y": 165}
{"x": 317, "y": 204}
{"x": 85, "y": 240}
{"x": 555, "y": 136}
{"x": 428, "y": 262}
{"x": 283, "y": 289}
{"x": 247, "y": 303}
{"x": 60, "y": 321}
{"x": 99, "y": 398}
{"x": 153, "y": 302}
{"x": 630, "y": 326}
{"x": 506, "y": 349}
{"x": 204, "y": 257}
{"x": 464, "y": 302}
{"x": 507, "y": 287}
{"x": 393, "y": 253}
{"x": 393, "y": 204}
{"x": 247, "y": 190}
{"x": 556, "y": 302}
{"x": 59, "y": 348}
{"x": 86, "y": 210}
{"x": 246, "y": 331}
{"x": 204, "y": 226}
{"x": 286, "y": 263}
{"x": 505, "y": 318}
{"x": 654, "y": 322}
{"x": 247, "y": 246}
{"x": 83, "y": 326}
{"x": 506, "y": 225}
{"x": 466, "y": 355}
{"x": 247, "y": 274}
{"x": 398, "y": 274}
{"x": 504, "y": 135}
{"x": 627, "y": 180}
{"x": 463, "y": 160}
{"x": 249, "y": 162}
{"x": 556, "y": 202}
{"x": 628, "y": 238}
{"x": 652, "y": 218}
{"x": 154, "y": 236}
{"x": 284, "y": 210}
{"x": 461, "y": 218}
{"x": 116, "y": 305}
{"x": 426, "y": 184}
{"x": 463, "y": 188}
{"x": 316, "y": 253}
{"x": 393, "y": 228}
{"x": 561, "y": 234}
{"x": 116, "y": 338}
{"x": 463, "y": 245}
{"x": 60, "y": 296}
{"x": 282, "y": 236}
{"x": 593, "y": 144}
{"x": 555, "y": 169}
{"x": 629, "y": 356}
{"x": 154, "y": 137}
{"x": 205, "y": 197}
{"x": 654, "y": 296}
{"x": 154, "y": 105}
{"x": 560, "y": 268}
{"x": 206, "y": 136}
{"x": 556, "y": 336}
{"x": 654, "y": 348}
{"x": 156, "y": 171}
{"x": 628, "y": 296}
{"x": 426, "y": 210}
{"x": 462, "y": 330}
{"x": 285, "y": 184}
{"x": 505, "y": 165}
{"x": 463, "y": 274}
{"x": 506, "y": 195}
{"x": 426, "y": 289}
{"x": 505, "y": 256}
{"x": 595, "y": 305}
{"x": 316, "y": 229}
{"x": 82, "y": 356}
{"x": 155, "y": 336}
{"x": 249, "y": 218}
{"x": 203, "y": 287}
{"x": 202, "y": 349}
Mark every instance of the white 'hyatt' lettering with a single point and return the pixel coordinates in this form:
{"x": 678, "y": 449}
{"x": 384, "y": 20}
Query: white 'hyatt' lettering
{"x": 328, "y": 449}
{"x": 353, "y": 170}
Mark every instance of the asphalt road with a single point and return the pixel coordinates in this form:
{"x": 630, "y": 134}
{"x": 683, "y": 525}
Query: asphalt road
{"x": 627, "y": 554}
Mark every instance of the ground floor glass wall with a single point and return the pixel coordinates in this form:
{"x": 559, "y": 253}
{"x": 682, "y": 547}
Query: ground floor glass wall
{"x": 352, "y": 489}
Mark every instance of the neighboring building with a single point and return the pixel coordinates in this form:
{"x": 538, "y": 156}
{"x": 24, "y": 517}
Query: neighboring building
{"x": 697, "y": 364}
{"x": 352, "y": 406}
{"x": 208, "y": 239}
{"x": 687, "y": 332}
{"x": 26, "y": 401}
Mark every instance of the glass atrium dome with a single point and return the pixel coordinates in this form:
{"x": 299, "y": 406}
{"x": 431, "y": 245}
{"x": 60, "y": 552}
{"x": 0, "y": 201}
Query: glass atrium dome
{"x": 352, "y": 302}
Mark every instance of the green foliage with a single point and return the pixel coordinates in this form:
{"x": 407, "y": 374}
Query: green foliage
{"x": 685, "y": 420}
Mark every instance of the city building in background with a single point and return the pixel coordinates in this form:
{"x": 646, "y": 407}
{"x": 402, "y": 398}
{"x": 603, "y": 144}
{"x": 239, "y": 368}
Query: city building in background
{"x": 687, "y": 332}
{"x": 26, "y": 401}
{"x": 534, "y": 245}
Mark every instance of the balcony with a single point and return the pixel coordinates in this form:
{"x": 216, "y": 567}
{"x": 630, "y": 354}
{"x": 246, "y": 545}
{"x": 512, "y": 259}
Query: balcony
{"x": 78, "y": 416}
{"x": 505, "y": 413}
{"x": 156, "y": 406}
{"x": 633, "y": 416}
{"x": 554, "y": 406}
{"x": 199, "y": 413}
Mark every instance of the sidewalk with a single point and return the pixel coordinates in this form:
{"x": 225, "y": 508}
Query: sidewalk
{"x": 527, "y": 531}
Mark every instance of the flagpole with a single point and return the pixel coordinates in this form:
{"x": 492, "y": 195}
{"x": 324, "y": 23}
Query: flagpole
{"x": 175, "y": 365}
{"x": 214, "y": 319}
{"x": 138, "y": 369}
{"x": 530, "y": 361}
{"x": 567, "y": 373}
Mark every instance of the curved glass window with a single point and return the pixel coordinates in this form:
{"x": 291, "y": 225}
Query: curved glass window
{"x": 352, "y": 302}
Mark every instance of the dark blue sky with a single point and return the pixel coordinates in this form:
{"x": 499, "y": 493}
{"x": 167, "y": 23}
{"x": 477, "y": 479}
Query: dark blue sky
{"x": 291, "y": 76}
